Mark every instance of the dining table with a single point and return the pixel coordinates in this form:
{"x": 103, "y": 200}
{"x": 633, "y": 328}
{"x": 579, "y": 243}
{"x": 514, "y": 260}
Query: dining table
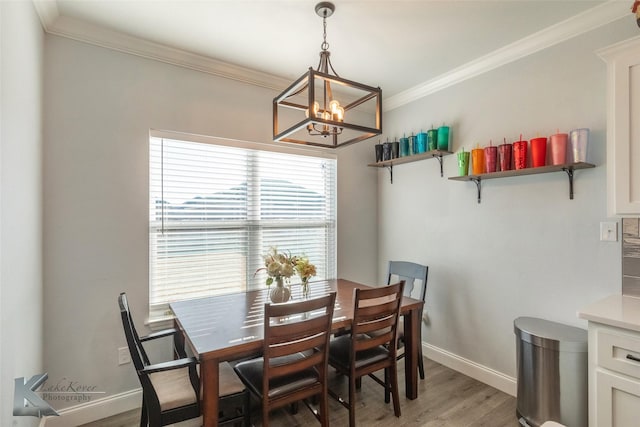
{"x": 231, "y": 326}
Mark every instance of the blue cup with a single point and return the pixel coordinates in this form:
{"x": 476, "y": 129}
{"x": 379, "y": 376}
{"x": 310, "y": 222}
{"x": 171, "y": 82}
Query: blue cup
{"x": 421, "y": 142}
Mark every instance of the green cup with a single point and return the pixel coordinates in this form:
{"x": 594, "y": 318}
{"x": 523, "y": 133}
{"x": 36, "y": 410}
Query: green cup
{"x": 463, "y": 163}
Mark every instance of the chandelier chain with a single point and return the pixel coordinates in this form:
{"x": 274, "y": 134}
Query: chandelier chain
{"x": 324, "y": 45}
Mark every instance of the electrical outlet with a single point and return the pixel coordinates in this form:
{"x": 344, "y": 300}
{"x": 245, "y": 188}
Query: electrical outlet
{"x": 609, "y": 231}
{"x": 124, "y": 356}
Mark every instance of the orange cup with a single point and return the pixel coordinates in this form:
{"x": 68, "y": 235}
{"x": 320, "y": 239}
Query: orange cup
{"x": 477, "y": 161}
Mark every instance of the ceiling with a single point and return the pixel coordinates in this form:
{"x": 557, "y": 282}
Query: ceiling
{"x": 408, "y": 48}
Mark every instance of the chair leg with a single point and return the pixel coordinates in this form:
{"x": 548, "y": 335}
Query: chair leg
{"x": 324, "y": 406}
{"x": 246, "y": 411}
{"x": 265, "y": 414}
{"x": 352, "y": 400}
{"x": 420, "y": 364}
{"x": 144, "y": 421}
{"x": 386, "y": 385}
{"x": 394, "y": 389}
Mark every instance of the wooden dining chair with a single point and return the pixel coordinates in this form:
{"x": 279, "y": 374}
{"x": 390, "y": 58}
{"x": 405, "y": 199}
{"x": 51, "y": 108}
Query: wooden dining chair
{"x": 171, "y": 389}
{"x": 410, "y": 272}
{"x": 370, "y": 345}
{"x": 294, "y": 362}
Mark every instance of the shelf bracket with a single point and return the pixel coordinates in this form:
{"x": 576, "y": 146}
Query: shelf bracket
{"x": 390, "y": 169}
{"x": 569, "y": 172}
{"x": 478, "y": 182}
{"x": 439, "y": 157}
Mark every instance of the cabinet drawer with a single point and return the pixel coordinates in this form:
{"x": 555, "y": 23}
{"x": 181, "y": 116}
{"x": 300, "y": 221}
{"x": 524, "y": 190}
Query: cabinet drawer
{"x": 619, "y": 351}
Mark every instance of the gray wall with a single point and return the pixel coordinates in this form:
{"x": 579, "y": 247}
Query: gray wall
{"x": 100, "y": 106}
{"x": 21, "y": 39}
{"x": 526, "y": 250}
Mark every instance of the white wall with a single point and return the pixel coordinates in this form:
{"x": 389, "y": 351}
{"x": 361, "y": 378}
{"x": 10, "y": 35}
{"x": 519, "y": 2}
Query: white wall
{"x": 21, "y": 39}
{"x": 100, "y": 105}
{"x": 526, "y": 250}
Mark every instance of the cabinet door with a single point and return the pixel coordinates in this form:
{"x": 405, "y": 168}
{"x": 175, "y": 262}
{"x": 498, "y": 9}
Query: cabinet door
{"x": 623, "y": 127}
{"x": 618, "y": 400}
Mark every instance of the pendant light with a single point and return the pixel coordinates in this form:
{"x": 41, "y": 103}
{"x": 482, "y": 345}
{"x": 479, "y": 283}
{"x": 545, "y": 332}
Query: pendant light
{"x": 322, "y": 109}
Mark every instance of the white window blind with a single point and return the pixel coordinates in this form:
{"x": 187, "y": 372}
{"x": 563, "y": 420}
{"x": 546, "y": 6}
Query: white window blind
{"x": 215, "y": 210}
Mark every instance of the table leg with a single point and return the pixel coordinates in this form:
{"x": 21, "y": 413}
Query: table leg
{"x": 411, "y": 330}
{"x": 209, "y": 376}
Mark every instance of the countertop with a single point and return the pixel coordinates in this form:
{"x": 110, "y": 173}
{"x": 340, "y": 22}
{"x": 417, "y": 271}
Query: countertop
{"x": 616, "y": 310}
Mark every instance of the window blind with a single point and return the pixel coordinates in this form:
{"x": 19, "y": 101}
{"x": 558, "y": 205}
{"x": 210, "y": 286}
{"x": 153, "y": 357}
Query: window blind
{"x": 216, "y": 209}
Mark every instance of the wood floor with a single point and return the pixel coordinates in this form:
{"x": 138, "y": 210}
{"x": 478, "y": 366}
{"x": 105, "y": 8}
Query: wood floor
{"x": 446, "y": 399}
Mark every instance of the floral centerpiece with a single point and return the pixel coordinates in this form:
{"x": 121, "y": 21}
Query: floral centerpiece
{"x": 279, "y": 267}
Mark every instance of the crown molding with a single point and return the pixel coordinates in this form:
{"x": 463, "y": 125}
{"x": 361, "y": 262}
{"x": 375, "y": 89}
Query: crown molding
{"x": 54, "y": 23}
{"x": 79, "y": 30}
{"x": 579, "y": 24}
{"x": 47, "y": 11}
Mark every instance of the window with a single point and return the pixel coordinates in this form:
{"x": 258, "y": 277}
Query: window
{"x": 215, "y": 209}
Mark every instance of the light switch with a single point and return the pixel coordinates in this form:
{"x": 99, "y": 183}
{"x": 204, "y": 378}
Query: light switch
{"x": 609, "y": 231}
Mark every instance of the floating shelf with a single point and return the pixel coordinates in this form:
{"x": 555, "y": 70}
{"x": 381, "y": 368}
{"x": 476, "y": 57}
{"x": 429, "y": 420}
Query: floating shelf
{"x": 438, "y": 154}
{"x": 568, "y": 168}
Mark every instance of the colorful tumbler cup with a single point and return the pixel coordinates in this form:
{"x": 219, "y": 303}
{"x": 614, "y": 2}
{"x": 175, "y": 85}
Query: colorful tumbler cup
{"x": 504, "y": 150}
{"x": 443, "y": 138}
{"x": 538, "y": 152}
{"x": 421, "y": 142}
{"x": 579, "y": 143}
{"x": 520, "y": 154}
{"x": 404, "y": 147}
{"x": 559, "y": 149}
{"x": 477, "y": 161}
{"x": 490, "y": 159}
{"x": 463, "y": 163}
{"x": 432, "y": 139}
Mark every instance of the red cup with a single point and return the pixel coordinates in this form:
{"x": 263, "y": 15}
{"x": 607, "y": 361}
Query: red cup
{"x": 538, "y": 152}
{"x": 559, "y": 149}
{"x": 504, "y": 151}
{"x": 490, "y": 159}
{"x": 520, "y": 155}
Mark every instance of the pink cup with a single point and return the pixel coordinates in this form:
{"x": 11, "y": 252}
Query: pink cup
{"x": 559, "y": 149}
{"x": 490, "y": 159}
{"x": 538, "y": 152}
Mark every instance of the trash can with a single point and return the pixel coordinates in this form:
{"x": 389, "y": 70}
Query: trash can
{"x": 552, "y": 373}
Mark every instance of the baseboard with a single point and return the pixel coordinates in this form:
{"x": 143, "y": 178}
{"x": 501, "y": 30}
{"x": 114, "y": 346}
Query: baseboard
{"x": 470, "y": 368}
{"x": 95, "y": 410}
{"x": 127, "y": 401}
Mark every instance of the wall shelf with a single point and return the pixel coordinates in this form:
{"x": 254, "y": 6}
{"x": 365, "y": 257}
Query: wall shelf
{"x": 568, "y": 168}
{"x": 437, "y": 154}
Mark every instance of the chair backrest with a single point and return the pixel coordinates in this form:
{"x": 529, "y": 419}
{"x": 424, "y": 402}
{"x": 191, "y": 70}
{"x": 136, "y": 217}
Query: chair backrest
{"x": 138, "y": 354}
{"x": 375, "y": 318}
{"x": 409, "y": 272}
{"x": 296, "y": 327}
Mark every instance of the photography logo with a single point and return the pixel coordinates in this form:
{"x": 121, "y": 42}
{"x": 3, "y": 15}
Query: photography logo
{"x": 26, "y": 402}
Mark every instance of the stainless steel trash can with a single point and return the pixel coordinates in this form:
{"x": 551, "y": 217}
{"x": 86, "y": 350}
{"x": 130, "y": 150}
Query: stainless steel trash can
{"x": 552, "y": 373}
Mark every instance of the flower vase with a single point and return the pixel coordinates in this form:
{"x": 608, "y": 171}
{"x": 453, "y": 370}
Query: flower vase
{"x": 279, "y": 293}
{"x": 305, "y": 288}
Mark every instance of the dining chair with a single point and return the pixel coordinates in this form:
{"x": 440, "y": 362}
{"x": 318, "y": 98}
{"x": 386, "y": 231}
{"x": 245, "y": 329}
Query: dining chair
{"x": 293, "y": 366}
{"x": 410, "y": 272}
{"x": 171, "y": 389}
{"x": 369, "y": 346}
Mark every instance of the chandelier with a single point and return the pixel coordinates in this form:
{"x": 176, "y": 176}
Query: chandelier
{"x": 322, "y": 109}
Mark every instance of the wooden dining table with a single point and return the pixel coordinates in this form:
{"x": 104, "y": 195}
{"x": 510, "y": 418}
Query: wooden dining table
{"x": 230, "y": 327}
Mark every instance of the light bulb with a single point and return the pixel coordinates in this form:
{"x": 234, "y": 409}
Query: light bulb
{"x": 340, "y": 114}
{"x": 333, "y": 106}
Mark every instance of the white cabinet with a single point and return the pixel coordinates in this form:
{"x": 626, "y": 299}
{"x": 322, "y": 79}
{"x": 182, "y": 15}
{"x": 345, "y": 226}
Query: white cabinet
{"x": 623, "y": 127}
{"x": 614, "y": 376}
